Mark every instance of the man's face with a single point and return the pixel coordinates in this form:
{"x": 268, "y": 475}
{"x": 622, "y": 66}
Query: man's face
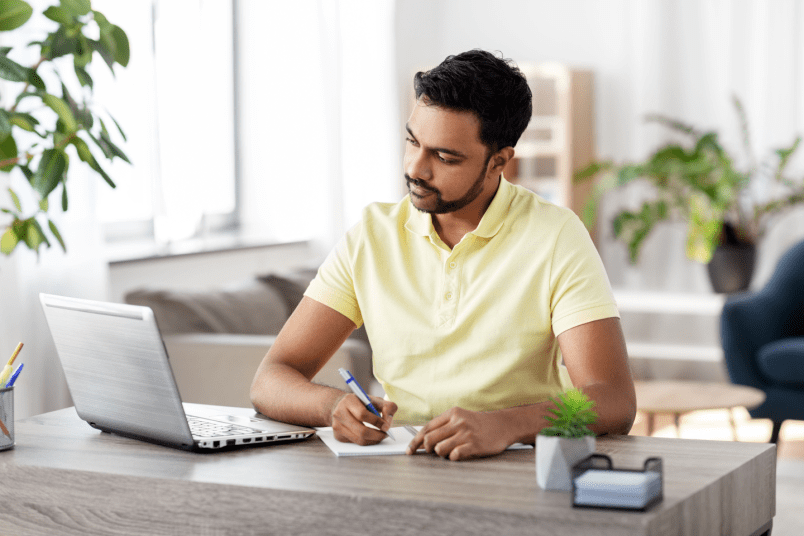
{"x": 446, "y": 164}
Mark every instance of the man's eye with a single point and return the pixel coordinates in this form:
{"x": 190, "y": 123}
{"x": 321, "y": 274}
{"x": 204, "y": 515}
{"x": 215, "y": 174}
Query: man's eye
{"x": 446, "y": 160}
{"x": 411, "y": 141}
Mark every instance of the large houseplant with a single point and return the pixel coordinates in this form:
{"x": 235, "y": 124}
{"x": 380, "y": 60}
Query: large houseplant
{"x": 42, "y": 123}
{"x": 699, "y": 182}
{"x": 566, "y": 441}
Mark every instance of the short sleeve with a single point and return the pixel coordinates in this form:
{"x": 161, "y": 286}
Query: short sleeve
{"x": 579, "y": 285}
{"x": 333, "y": 285}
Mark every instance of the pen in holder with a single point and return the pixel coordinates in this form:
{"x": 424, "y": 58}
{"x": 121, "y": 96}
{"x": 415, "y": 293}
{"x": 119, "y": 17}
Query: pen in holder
{"x": 6, "y": 418}
{"x": 596, "y": 484}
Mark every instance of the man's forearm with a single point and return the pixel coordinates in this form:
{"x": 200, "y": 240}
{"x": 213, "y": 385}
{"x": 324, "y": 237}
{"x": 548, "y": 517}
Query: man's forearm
{"x": 282, "y": 393}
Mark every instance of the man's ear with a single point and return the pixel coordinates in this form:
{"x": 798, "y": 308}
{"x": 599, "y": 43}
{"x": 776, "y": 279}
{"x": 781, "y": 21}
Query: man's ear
{"x": 500, "y": 159}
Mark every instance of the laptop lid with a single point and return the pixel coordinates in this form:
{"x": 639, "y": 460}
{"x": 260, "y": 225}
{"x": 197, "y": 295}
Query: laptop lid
{"x": 118, "y": 372}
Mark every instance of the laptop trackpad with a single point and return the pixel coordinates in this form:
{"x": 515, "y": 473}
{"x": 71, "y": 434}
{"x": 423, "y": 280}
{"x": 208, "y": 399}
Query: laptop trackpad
{"x": 260, "y": 423}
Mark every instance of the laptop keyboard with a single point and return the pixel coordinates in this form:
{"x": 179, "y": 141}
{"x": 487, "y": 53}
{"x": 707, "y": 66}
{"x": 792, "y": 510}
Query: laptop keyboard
{"x": 206, "y": 428}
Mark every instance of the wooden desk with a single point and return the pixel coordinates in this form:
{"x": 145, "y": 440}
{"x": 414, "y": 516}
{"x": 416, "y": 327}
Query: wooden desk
{"x": 63, "y": 477}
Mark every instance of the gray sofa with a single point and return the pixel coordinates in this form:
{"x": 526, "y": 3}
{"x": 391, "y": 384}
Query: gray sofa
{"x": 215, "y": 339}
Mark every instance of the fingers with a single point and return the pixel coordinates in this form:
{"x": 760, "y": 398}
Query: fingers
{"x": 459, "y": 434}
{"x": 387, "y": 409}
{"x": 348, "y": 418}
{"x": 430, "y": 435}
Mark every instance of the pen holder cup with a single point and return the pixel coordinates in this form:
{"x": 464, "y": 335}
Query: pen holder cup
{"x": 6, "y": 418}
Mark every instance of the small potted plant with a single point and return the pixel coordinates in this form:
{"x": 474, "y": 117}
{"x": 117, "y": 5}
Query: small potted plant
{"x": 566, "y": 442}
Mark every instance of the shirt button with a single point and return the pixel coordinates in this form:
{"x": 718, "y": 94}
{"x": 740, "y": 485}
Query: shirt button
{"x": 448, "y": 295}
{"x": 453, "y": 264}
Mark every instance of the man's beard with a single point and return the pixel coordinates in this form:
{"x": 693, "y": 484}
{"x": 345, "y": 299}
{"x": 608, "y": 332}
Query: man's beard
{"x": 444, "y": 207}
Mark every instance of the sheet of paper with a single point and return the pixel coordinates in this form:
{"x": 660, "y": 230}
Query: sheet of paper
{"x": 385, "y": 447}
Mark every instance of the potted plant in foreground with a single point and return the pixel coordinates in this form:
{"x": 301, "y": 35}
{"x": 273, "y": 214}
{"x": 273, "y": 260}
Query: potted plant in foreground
{"x": 566, "y": 442}
{"x": 698, "y": 181}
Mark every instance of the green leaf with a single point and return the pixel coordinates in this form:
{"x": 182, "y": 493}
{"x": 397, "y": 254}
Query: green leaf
{"x": 105, "y": 53}
{"x": 627, "y": 174}
{"x": 591, "y": 170}
{"x": 24, "y": 121}
{"x": 13, "y": 14}
{"x": 119, "y": 129}
{"x": 62, "y": 109}
{"x": 43, "y": 204}
{"x": 5, "y": 124}
{"x": 83, "y": 52}
{"x": 76, "y": 8}
{"x": 100, "y": 18}
{"x": 83, "y": 76}
{"x": 671, "y": 123}
{"x": 57, "y": 234}
{"x": 12, "y": 71}
{"x": 15, "y": 200}
{"x": 57, "y": 14}
{"x": 8, "y": 241}
{"x": 121, "y": 49}
{"x": 35, "y": 235}
{"x": 50, "y": 171}
{"x": 82, "y": 115}
{"x": 35, "y": 80}
{"x": 86, "y": 155}
{"x": 60, "y": 44}
{"x": 8, "y": 149}
{"x": 113, "y": 149}
{"x": 64, "y": 203}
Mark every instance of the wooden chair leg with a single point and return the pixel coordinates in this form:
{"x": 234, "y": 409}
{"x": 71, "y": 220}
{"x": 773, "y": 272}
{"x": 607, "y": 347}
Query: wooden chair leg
{"x": 777, "y": 426}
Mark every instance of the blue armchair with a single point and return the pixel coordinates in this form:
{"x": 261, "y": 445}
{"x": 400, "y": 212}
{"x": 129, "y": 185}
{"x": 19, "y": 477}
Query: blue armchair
{"x": 763, "y": 341}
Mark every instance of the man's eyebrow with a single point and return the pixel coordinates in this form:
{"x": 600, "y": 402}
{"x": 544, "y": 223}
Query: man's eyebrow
{"x": 444, "y": 150}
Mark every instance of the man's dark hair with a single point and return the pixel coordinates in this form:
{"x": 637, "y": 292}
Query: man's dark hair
{"x": 492, "y": 88}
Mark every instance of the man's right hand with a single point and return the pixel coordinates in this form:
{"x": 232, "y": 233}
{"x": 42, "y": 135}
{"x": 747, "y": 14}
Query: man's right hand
{"x": 349, "y": 415}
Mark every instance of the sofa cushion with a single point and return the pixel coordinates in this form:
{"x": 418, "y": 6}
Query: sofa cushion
{"x": 783, "y": 361}
{"x": 292, "y": 287}
{"x": 255, "y": 309}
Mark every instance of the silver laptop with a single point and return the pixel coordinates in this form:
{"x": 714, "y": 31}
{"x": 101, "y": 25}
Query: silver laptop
{"x": 120, "y": 380}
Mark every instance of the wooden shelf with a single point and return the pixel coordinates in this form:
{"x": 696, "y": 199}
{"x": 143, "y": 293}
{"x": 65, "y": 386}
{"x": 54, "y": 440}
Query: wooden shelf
{"x": 560, "y": 135}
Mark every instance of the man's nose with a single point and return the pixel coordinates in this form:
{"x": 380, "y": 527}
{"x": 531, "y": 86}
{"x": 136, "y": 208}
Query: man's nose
{"x": 416, "y": 165}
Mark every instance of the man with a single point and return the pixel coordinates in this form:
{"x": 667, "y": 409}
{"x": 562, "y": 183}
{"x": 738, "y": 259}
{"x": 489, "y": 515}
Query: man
{"x": 472, "y": 290}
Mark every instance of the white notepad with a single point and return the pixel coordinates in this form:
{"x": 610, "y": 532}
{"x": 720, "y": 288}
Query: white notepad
{"x": 386, "y": 447}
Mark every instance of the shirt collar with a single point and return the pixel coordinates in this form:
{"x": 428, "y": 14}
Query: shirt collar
{"x": 492, "y": 221}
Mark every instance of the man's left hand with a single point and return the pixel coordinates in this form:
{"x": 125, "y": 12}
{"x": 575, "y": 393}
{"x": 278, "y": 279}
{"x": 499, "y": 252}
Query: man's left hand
{"x": 459, "y": 434}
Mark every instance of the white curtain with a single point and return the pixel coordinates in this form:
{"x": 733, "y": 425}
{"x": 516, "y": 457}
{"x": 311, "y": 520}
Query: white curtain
{"x": 319, "y": 132}
{"x": 82, "y": 271}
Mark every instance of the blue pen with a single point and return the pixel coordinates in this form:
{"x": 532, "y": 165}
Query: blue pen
{"x": 361, "y": 394}
{"x": 14, "y": 375}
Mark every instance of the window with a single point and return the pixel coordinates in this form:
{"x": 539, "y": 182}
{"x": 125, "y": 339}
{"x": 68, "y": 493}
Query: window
{"x": 175, "y": 101}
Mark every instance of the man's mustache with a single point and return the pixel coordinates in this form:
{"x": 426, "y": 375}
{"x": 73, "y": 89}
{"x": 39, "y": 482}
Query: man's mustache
{"x": 419, "y": 184}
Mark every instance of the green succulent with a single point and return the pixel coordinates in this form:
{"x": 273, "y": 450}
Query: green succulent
{"x": 573, "y": 415}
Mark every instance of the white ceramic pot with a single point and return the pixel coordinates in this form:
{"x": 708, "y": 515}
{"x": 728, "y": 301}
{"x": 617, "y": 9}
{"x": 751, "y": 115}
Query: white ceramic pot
{"x": 555, "y": 457}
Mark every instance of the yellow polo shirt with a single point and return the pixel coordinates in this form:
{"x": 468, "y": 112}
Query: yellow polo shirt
{"x": 474, "y": 326}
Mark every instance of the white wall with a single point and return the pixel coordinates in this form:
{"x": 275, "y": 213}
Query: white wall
{"x": 681, "y": 58}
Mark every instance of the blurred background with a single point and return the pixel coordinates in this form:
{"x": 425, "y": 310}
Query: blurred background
{"x": 259, "y": 129}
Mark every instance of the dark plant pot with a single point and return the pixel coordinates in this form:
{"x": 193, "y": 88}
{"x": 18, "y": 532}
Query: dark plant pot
{"x": 732, "y": 267}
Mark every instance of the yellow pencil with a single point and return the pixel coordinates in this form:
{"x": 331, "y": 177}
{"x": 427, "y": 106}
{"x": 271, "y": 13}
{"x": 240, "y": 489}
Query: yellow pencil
{"x": 7, "y": 369}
